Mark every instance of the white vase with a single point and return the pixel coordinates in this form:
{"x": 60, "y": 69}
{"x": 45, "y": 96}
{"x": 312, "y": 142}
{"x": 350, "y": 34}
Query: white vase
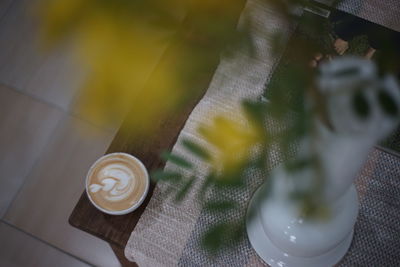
{"x": 277, "y": 232}
{"x": 283, "y": 238}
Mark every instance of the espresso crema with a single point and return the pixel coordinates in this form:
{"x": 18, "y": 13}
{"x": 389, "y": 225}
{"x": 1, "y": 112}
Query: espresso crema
{"x": 116, "y": 182}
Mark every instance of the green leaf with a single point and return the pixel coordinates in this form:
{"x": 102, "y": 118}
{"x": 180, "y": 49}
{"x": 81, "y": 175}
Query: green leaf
{"x": 177, "y": 160}
{"x": 387, "y": 103}
{"x": 298, "y": 195}
{"x": 222, "y": 234}
{"x": 206, "y": 184}
{"x": 220, "y": 206}
{"x": 196, "y": 149}
{"x": 295, "y": 165}
{"x": 347, "y": 72}
{"x": 255, "y": 110}
{"x": 161, "y": 175}
{"x": 185, "y": 189}
{"x": 213, "y": 239}
{"x": 360, "y": 105}
{"x": 237, "y": 232}
{"x": 278, "y": 43}
{"x": 233, "y": 179}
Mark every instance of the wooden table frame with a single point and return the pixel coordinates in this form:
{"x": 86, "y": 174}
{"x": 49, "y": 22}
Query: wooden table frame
{"x": 116, "y": 230}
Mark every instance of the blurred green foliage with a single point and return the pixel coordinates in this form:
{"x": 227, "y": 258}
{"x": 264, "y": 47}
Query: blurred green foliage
{"x": 115, "y": 38}
{"x": 284, "y": 117}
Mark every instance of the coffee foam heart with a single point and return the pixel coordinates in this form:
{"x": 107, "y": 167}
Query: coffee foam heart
{"x": 116, "y": 182}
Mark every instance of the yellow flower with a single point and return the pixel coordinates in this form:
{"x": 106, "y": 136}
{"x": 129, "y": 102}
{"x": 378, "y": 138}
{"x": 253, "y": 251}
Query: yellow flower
{"x": 120, "y": 58}
{"x": 119, "y": 51}
{"x": 233, "y": 141}
{"x": 120, "y": 42}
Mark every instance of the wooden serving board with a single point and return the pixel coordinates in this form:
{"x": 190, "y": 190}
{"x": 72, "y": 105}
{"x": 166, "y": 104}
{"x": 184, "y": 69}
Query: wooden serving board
{"x": 116, "y": 230}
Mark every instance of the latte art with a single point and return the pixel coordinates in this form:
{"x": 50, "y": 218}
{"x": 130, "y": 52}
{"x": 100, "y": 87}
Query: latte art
{"x": 116, "y": 182}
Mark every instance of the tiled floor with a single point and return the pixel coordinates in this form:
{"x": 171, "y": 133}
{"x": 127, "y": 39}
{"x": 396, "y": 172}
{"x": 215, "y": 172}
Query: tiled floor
{"x": 55, "y": 184}
{"x": 45, "y": 151}
{"x": 44, "y": 156}
{"x": 4, "y": 5}
{"x": 51, "y": 77}
{"x": 46, "y": 147}
{"x": 20, "y": 249}
{"x": 26, "y": 125}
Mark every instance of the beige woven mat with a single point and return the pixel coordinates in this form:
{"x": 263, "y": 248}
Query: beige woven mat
{"x": 168, "y": 234}
{"x": 164, "y": 228}
{"x": 382, "y": 12}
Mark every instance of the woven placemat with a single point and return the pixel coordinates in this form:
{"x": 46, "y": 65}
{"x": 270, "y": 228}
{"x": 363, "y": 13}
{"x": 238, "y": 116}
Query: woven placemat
{"x": 168, "y": 234}
{"x": 165, "y": 229}
{"x": 376, "y": 239}
{"x": 382, "y": 12}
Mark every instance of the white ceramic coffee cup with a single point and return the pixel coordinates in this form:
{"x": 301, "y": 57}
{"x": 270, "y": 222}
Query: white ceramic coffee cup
{"x": 137, "y": 203}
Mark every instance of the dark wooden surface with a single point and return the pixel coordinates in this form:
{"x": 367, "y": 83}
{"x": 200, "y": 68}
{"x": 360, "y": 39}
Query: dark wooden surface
{"x": 117, "y": 229}
{"x": 193, "y": 47}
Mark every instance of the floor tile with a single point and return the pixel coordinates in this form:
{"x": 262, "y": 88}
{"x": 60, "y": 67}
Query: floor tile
{"x": 25, "y": 127}
{"x": 54, "y": 186}
{"x": 20, "y": 249}
{"x": 51, "y": 76}
{"x": 4, "y": 5}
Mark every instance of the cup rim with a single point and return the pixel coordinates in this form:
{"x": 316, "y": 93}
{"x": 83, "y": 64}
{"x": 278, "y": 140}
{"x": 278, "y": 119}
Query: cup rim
{"x": 134, "y": 206}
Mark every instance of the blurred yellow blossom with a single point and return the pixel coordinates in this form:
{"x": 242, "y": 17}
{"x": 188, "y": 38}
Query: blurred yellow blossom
{"x": 119, "y": 43}
{"x": 233, "y": 140}
{"x": 118, "y": 50}
{"x": 120, "y": 58}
